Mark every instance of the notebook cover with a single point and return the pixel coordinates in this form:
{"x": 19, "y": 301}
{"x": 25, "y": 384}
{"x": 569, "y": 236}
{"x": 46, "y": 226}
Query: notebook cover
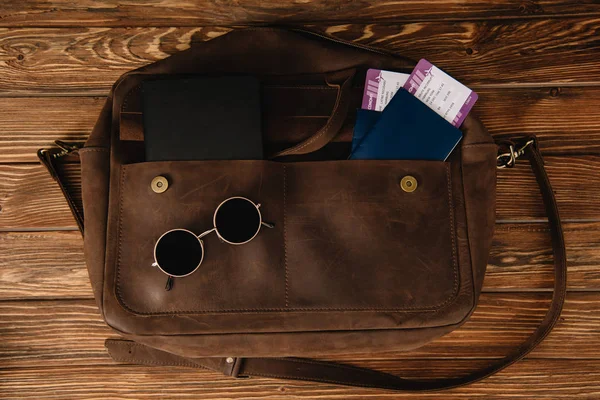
{"x": 407, "y": 129}
{"x": 216, "y": 118}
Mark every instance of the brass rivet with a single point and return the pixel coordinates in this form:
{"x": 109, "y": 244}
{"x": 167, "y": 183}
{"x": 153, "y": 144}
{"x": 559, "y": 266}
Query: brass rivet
{"x": 408, "y": 184}
{"x": 159, "y": 184}
{"x": 229, "y": 360}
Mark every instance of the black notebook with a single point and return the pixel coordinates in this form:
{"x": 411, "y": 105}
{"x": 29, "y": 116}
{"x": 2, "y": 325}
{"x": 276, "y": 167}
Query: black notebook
{"x": 202, "y": 119}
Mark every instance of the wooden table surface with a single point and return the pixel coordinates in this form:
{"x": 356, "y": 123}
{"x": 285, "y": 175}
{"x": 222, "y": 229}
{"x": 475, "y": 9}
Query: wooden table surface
{"x": 536, "y": 66}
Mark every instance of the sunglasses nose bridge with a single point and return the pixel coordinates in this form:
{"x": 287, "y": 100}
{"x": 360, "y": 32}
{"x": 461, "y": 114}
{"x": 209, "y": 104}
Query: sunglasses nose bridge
{"x": 200, "y": 236}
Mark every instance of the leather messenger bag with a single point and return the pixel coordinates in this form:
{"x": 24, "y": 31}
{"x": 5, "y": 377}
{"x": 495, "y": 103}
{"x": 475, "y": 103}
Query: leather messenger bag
{"x": 354, "y": 262}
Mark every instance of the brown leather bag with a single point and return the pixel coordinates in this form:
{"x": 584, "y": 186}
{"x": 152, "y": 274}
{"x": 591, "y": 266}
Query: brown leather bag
{"x": 354, "y": 264}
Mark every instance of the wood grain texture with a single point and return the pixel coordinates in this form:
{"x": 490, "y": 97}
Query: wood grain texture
{"x": 30, "y": 199}
{"x": 521, "y": 257}
{"x": 27, "y": 124}
{"x": 573, "y": 181}
{"x": 541, "y": 112}
{"x": 43, "y": 265}
{"x": 203, "y": 12}
{"x": 50, "y": 265}
{"x": 490, "y": 52}
{"x": 89, "y": 60}
{"x": 531, "y": 62}
{"x": 71, "y": 332}
{"x": 84, "y": 60}
{"x": 529, "y": 379}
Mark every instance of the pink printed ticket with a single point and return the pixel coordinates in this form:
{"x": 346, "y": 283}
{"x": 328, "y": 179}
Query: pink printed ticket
{"x": 442, "y": 93}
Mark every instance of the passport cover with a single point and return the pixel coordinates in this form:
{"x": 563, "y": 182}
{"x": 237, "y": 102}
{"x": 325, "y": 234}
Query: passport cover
{"x": 407, "y": 129}
{"x": 202, "y": 118}
{"x": 365, "y": 120}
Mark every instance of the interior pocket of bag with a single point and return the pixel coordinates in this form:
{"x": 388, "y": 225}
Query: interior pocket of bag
{"x": 231, "y": 277}
{"x": 356, "y": 240}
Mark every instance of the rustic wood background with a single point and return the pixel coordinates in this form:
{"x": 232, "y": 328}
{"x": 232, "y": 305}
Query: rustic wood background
{"x": 536, "y": 65}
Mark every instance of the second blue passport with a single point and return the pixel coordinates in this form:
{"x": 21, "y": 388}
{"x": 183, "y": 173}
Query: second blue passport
{"x": 406, "y": 129}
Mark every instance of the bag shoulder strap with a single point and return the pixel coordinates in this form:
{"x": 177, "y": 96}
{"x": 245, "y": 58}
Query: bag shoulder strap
{"x": 329, "y": 372}
{"x": 48, "y": 158}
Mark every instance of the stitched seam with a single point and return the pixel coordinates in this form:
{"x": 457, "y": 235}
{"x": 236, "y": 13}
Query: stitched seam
{"x": 263, "y": 310}
{"x": 311, "y": 379}
{"x": 128, "y": 96}
{"x": 149, "y": 362}
{"x": 512, "y": 229}
{"x": 466, "y": 146}
{"x": 468, "y": 237}
{"x": 452, "y": 234}
{"x": 308, "y": 87}
{"x": 146, "y": 361}
{"x": 118, "y": 277}
{"x": 92, "y": 149}
{"x": 316, "y": 362}
{"x": 433, "y": 308}
{"x": 285, "y": 262}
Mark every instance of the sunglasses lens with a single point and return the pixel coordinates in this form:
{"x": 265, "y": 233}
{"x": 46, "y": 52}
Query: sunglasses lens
{"x": 178, "y": 252}
{"x": 237, "y": 220}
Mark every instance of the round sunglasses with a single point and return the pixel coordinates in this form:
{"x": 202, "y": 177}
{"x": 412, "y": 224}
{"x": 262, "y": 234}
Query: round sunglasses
{"x": 180, "y": 252}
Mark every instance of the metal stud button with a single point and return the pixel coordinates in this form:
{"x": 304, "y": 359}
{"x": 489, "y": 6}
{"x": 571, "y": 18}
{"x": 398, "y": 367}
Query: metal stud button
{"x": 229, "y": 360}
{"x": 408, "y": 184}
{"x": 159, "y": 184}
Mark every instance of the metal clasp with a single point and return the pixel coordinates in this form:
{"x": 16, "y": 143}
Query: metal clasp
{"x": 66, "y": 148}
{"x": 508, "y": 159}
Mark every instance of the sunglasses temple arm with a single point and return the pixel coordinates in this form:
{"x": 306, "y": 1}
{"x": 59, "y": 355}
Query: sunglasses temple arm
{"x": 206, "y": 233}
{"x": 268, "y": 224}
{"x": 169, "y": 284}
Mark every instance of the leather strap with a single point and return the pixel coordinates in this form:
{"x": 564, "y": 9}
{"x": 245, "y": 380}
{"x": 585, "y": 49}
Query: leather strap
{"x": 335, "y": 121}
{"x": 48, "y": 159}
{"x": 320, "y": 371}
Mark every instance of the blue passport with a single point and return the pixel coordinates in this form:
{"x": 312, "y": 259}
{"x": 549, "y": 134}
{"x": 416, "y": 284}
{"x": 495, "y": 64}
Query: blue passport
{"x": 406, "y": 129}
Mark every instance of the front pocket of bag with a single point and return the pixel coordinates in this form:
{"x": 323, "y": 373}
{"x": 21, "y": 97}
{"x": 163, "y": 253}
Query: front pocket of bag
{"x": 355, "y": 240}
{"x": 231, "y": 278}
{"x": 346, "y": 237}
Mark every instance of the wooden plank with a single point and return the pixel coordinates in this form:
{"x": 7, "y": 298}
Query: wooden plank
{"x": 521, "y": 257}
{"x": 50, "y": 265}
{"x": 531, "y": 379}
{"x": 169, "y": 12}
{"x": 89, "y": 60}
{"x": 55, "y": 333}
{"x": 84, "y": 60}
{"x": 490, "y": 52}
{"x": 43, "y": 265}
{"x": 539, "y": 111}
{"x": 52, "y": 333}
{"x": 573, "y": 179}
{"x": 27, "y": 124}
{"x": 30, "y": 199}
